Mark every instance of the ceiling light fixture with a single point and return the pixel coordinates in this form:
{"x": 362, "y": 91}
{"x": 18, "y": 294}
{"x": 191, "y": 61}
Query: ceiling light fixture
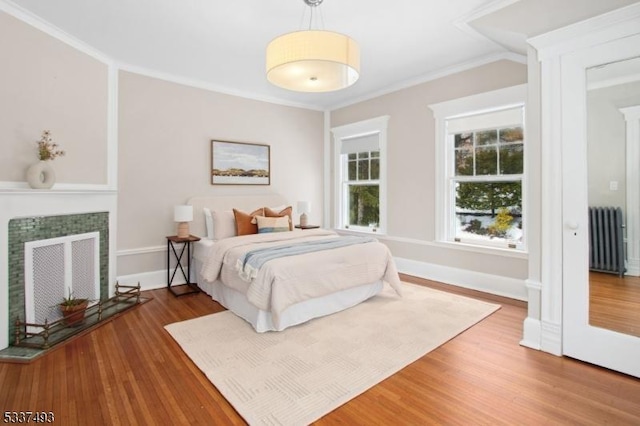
{"x": 313, "y": 60}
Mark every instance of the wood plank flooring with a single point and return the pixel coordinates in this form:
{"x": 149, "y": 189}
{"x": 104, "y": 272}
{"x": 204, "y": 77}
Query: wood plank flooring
{"x": 614, "y": 302}
{"x": 130, "y": 371}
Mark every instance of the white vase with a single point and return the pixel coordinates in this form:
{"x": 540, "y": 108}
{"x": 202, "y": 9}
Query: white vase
{"x": 40, "y": 175}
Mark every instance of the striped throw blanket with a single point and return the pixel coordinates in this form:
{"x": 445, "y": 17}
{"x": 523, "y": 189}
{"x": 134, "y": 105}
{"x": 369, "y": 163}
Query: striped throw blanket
{"x": 249, "y": 264}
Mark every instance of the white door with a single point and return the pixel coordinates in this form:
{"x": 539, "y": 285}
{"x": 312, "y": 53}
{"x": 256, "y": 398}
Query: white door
{"x": 616, "y": 350}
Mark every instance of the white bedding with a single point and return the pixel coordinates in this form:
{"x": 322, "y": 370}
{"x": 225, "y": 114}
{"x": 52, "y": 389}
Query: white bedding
{"x": 304, "y": 285}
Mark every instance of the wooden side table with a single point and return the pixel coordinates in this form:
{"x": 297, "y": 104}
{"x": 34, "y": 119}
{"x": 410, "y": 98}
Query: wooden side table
{"x": 307, "y": 226}
{"x": 189, "y": 287}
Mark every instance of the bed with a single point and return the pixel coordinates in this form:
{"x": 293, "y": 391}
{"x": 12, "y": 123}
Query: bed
{"x": 332, "y": 273}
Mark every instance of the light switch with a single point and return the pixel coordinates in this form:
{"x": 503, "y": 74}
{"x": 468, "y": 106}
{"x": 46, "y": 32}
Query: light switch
{"x": 613, "y": 185}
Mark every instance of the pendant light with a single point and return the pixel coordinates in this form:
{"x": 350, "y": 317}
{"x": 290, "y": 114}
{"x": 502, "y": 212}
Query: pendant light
{"x": 313, "y": 60}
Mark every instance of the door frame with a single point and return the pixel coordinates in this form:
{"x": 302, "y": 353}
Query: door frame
{"x": 632, "y": 120}
{"x": 544, "y": 328}
{"x": 596, "y": 345}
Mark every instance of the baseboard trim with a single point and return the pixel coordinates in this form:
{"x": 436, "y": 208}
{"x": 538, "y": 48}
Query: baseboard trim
{"x": 551, "y": 337}
{"x": 633, "y": 267}
{"x": 142, "y": 250}
{"x": 501, "y": 286}
{"x": 151, "y": 280}
{"x": 531, "y": 334}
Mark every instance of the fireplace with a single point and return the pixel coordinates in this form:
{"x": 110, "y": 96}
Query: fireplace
{"x": 62, "y": 239}
{"x": 50, "y": 256}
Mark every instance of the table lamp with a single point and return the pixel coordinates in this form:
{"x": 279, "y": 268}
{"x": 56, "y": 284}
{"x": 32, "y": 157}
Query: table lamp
{"x": 304, "y": 207}
{"x": 183, "y": 215}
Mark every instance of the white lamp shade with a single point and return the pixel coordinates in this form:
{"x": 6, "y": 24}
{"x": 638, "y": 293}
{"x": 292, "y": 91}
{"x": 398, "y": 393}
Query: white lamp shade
{"x": 313, "y": 61}
{"x": 304, "y": 207}
{"x": 183, "y": 213}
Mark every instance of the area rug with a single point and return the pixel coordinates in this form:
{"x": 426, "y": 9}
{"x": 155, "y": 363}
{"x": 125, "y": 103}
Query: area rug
{"x": 295, "y": 376}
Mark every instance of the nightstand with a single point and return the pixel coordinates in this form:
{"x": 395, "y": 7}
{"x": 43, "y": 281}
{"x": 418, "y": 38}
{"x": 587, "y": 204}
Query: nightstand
{"x": 172, "y": 242}
{"x": 307, "y": 226}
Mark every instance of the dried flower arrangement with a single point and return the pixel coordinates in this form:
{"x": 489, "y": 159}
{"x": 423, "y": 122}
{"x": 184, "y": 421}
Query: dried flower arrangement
{"x": 47, "y": 150}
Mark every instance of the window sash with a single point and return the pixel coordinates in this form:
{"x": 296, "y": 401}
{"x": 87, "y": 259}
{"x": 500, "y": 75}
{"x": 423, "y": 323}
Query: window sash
{"x": 453, "y": 236}
{"x": 470, "y": 150}
{"x": 346, "y": 220}
{"x": 347, "y": 183}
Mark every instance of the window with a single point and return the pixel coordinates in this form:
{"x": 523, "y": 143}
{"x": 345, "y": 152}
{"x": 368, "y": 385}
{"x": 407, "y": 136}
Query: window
{"x": 360, "y": 175}
{"x": 482, "y": 173}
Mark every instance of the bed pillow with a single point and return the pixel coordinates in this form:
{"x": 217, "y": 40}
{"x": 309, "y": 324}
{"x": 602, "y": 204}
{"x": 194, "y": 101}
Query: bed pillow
{"x": 208, "y": 222}
{"x": 224, "y": 224}
{"x": 288, "y": 211}
{"x": 272, "y": 224}
{"x": 243, "y": 221}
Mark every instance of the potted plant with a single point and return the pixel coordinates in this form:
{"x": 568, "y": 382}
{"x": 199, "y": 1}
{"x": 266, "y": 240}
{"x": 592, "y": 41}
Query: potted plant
{"x": 40, "y": 175}
{"x": 73, "y": 310}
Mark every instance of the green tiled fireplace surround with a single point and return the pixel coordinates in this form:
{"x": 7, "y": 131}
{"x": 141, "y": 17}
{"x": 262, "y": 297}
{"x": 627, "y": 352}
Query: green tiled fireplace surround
{"x": 22, "y": 230}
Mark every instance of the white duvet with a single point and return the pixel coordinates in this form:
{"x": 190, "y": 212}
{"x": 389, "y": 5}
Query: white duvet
{"x": 285, "y": 281}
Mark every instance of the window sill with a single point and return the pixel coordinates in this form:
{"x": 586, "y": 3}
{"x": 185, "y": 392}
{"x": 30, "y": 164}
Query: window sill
{"x": 362, "y": 231}
{"x": 506, "y": 252}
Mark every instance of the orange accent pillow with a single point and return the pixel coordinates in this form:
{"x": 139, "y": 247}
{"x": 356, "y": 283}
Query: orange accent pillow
{"x": 243, "y": 221}
{"x": 284, "y": 212}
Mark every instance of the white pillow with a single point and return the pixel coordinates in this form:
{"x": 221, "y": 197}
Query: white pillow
{"x": 208, "y": 222}
{"x": 224, "y": 224}
{"x": 272, "y": 224}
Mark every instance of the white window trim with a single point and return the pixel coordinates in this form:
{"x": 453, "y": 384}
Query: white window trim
{"x": 378, "y": 126}
{"x": 484, "y": 102}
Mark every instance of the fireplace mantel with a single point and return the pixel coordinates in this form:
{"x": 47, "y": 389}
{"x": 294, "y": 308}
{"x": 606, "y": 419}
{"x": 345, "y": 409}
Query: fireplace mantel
{"x": 19, "y": 203}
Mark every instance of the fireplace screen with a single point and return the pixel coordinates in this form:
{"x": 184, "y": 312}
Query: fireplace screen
{"x": 56, "y": 268}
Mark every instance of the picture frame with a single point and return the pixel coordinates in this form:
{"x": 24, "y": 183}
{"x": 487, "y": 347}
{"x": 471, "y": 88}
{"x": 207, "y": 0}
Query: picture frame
{"x": 240, "y": 163}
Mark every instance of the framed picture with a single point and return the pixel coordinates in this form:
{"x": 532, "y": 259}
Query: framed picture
{"x": 240, "y": 163}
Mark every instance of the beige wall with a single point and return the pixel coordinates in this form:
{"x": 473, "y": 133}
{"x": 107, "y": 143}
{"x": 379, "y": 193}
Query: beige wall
{"x": 607, "y": 140}
{"x": 164, "y": 156}
{"x": 411, "y": 163}
{"x": 47, "y": 85}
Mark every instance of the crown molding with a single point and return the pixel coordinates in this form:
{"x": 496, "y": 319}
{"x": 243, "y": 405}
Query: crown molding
{"x": 440, "y": 73}
{"x": 199, "y": 84}
{"x": 463, "y": 22}
{"x": 608, "y": 26}
{"x": 50, "y": 29}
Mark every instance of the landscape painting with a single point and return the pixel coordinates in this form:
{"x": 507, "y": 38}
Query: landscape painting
{"x": 239, "y": 163}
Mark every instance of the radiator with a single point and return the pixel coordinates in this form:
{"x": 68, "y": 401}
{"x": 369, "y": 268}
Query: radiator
{"x": 606, "y": 240}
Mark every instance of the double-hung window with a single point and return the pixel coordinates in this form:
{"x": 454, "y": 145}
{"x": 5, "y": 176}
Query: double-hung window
{"x": 482, "y": 170}
{"x": 360, "y": 175}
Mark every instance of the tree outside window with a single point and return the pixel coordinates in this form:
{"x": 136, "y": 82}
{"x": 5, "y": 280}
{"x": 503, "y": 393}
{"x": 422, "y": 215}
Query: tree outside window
{"x": 363, "y": 188}
{"x": 487, "y": 180}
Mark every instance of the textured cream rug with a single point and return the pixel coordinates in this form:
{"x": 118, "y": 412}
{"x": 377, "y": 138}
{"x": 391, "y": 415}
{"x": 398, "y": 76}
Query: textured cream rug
{"x": 296, "y": 376}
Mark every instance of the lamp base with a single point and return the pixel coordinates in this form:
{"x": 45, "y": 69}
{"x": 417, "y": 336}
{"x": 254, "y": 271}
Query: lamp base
{"x": 183, "y": 229}
{"x": 303, "y": 219}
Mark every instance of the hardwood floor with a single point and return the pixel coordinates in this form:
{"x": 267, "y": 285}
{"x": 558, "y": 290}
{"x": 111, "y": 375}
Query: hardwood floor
{"x": 614, "y": 302}
{"x": 130, "y": 371}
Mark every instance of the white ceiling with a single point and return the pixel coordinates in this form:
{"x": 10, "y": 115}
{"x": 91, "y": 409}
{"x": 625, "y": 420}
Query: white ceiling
{"x": 220, "y": 44}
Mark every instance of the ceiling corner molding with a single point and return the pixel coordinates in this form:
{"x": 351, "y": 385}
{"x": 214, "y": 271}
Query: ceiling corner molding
{"x": 198, "y": 84}
{"x": 440, "y": 73}
{"x": 462, "y": 22}
{"x": 37, "y": 22}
